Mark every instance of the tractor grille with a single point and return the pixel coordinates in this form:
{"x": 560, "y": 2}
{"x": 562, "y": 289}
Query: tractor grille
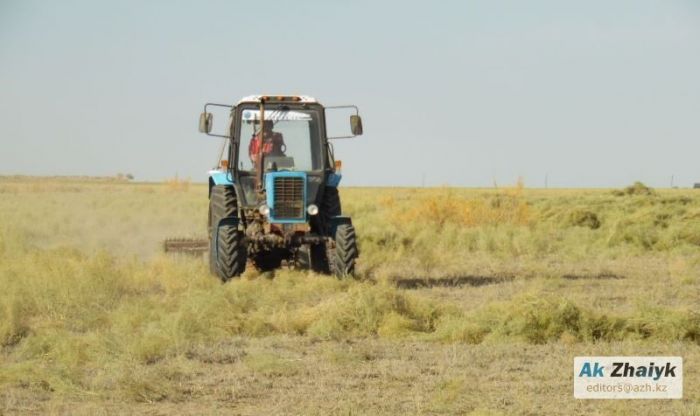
{"x": 289, "y": 198}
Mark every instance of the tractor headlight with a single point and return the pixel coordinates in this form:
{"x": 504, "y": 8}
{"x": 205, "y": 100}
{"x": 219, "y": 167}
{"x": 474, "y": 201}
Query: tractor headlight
{"x": 312, "y": 209}
{"x": 264, "y": 210}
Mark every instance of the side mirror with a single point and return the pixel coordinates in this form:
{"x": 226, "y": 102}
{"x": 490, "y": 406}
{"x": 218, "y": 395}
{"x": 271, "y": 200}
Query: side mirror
{"x": 205, "y": 122}
{"x": 356, "y": 125}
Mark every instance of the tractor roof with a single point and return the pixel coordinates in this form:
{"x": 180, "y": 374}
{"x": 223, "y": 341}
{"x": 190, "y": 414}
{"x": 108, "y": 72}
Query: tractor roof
{"x": 278, "y": 98}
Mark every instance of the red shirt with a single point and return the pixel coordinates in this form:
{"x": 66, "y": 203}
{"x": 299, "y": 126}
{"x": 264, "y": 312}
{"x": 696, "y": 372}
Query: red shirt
{"x": 273, "y": 144}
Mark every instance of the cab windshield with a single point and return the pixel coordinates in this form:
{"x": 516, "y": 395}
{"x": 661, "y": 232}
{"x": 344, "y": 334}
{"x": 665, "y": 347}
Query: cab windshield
{"x": 290, "y": 141}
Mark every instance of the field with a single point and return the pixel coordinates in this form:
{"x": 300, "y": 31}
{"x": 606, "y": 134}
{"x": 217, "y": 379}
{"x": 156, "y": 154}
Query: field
{"x": 468, "y": 301}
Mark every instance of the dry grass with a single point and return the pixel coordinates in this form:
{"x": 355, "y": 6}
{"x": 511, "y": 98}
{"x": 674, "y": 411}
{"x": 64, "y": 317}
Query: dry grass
{"x": 178, "y": 185}
{"x": 444, "y": 207}
{"x": 478, "y": 313}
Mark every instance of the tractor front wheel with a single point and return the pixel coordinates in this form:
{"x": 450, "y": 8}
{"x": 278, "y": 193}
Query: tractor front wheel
{"x": 231, "y": 252}
{"x": 342, "y": 257}
{"x": 227, "y": 247}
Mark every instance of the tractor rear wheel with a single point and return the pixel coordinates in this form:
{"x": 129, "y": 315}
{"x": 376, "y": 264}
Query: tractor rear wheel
{"x": 330, "y": 207}
{"x": 342, "y": 257}
{"x": 331, "y": 201}
{"x": 227, "y": 247}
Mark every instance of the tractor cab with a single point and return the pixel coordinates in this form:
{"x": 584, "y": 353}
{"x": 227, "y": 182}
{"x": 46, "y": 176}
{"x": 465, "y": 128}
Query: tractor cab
{"x": 288, "y": 147}
{"x": 282, "y": 179}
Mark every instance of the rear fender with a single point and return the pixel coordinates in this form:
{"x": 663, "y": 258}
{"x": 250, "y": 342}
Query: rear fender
{"x": 217, "y": 177}
{"x": 333, "y": 179}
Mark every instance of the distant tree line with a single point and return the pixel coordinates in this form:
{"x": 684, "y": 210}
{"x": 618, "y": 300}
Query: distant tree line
{"x": 125, "y": 176}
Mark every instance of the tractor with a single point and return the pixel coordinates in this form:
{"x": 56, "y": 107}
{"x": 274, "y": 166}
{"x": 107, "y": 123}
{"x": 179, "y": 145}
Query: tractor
{"x": 273, "y": 197}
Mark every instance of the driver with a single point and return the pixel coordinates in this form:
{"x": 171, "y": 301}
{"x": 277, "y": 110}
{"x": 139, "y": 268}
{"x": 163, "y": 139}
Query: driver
{"x": 272, "y": 143}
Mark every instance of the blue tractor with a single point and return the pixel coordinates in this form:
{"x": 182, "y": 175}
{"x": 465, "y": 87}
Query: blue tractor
{"x": 273, "y": 199}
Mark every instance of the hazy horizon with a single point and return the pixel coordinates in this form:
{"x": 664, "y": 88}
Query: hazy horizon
{"x": 593, "y": 94}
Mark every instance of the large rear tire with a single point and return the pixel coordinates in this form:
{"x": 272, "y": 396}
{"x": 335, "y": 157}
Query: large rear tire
{"x": 331, "y": 201}
{"x": 342, "y": 258}
{"x": 227, "y": 246}
{"x": 330, "y": 207}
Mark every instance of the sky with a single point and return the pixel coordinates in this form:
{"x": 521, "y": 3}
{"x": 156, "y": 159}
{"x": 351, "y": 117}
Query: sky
{"x": 452, "y": 93}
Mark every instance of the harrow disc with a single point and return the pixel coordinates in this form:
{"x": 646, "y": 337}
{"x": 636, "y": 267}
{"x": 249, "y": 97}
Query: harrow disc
{"x": 193, "y": 246}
